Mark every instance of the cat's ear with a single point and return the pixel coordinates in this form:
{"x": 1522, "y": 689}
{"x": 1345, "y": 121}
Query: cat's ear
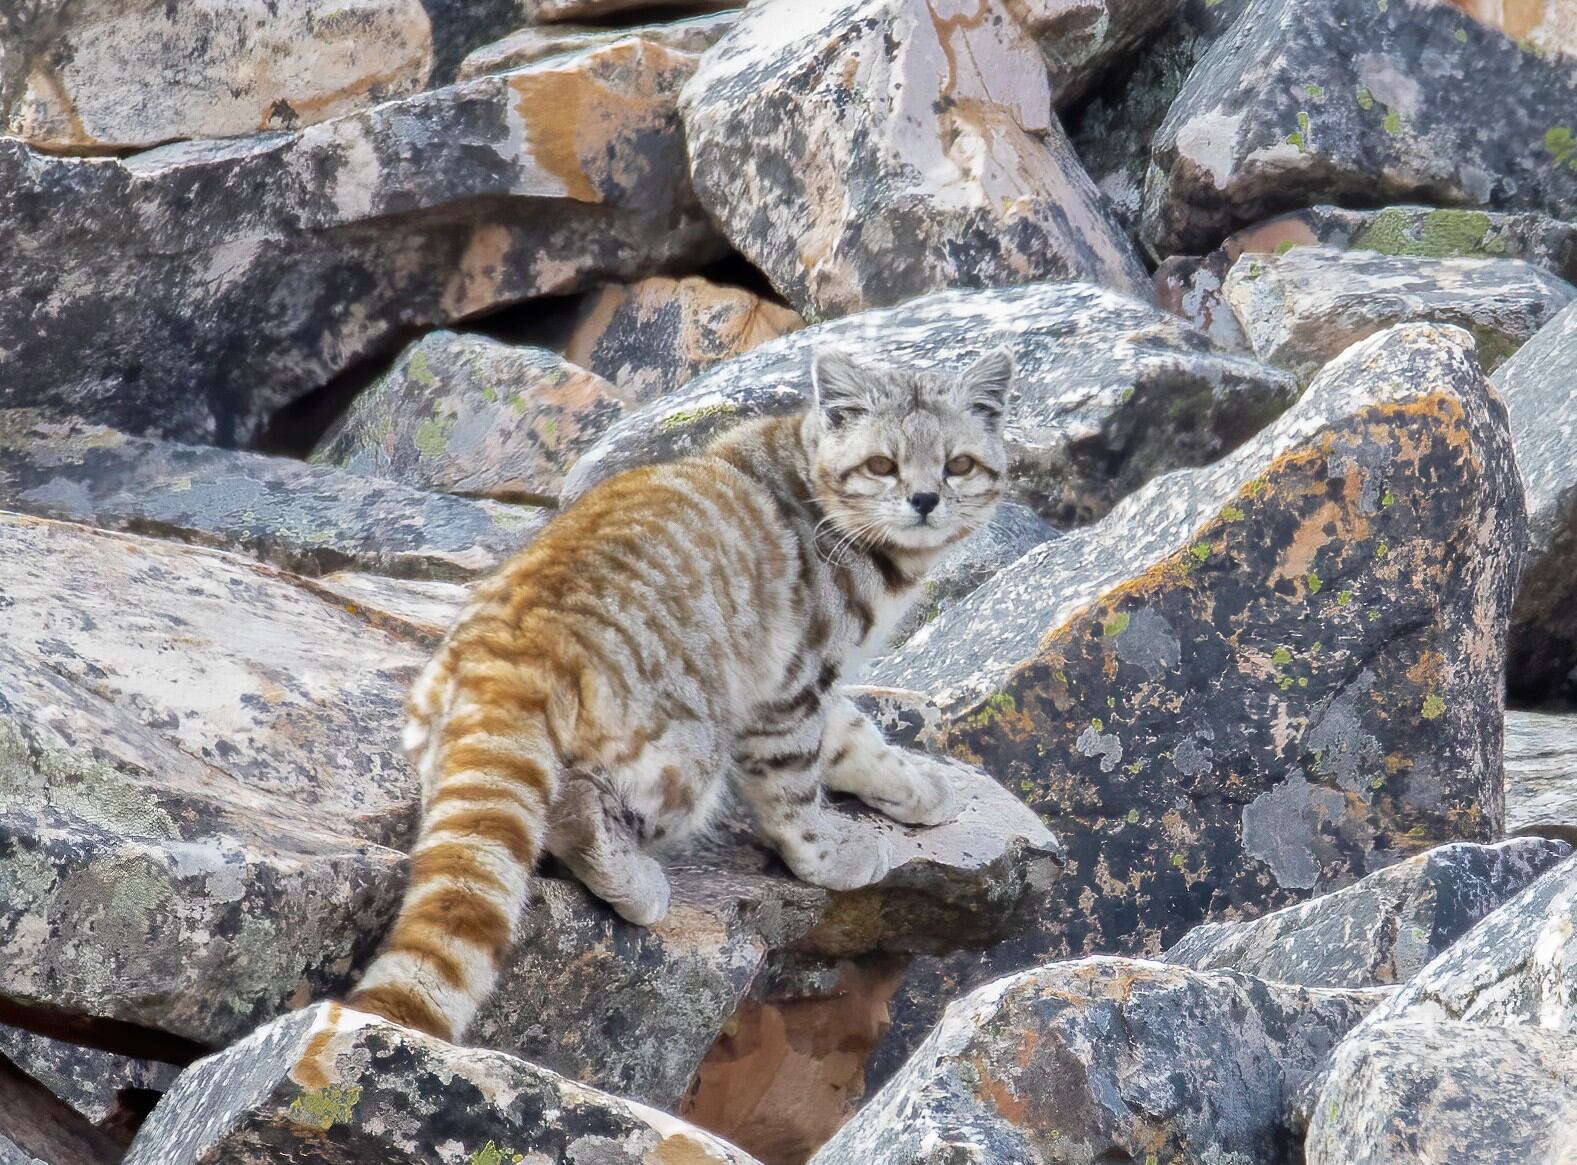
{"x": 983, "y": 388}
{"x": 843, "y": 388}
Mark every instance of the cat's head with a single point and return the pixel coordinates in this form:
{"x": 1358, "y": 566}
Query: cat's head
{"x": 907, "y": 459}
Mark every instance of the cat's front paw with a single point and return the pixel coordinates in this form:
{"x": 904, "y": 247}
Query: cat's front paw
{"x": 925, "y": 790}
{"x": 847, "y": 861}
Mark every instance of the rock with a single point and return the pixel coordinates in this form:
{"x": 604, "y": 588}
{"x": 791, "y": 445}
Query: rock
{"x": 304, "y": 518}
{"x": 117, "y": 75}
{"x": 1108, "y": 392}
{"x": 328, "y": 1085}
{"x": 1104, "y": 1060}
{"x": 1379, "y": 931}
{"x": 1541, "y": 775}
{"x": 653, "y": 336}
{"x": 1450, "y": 1094}
{"x": 310, "y": 250}
{"x": 1542, "y": 26}
{"x": 1191, "y": 286}
{"x": 468, "y": 415}
{"x": 1517, "y": 966}
{"x": 1085, "y": 39}
{"x": 889, "y": 151}
{"x": 533, "y": 43}
{"x": 1304, "y": 307}
{"x": 93, "y": 1082}
{"x": 550, "y": 11}
{"x": 37, "y": 1128}
{"x": 1014, "y": 530}
{"x": 1536, "y": 386}
{"x": 1314, "y": 101}
{"x": 1250, "y": 681}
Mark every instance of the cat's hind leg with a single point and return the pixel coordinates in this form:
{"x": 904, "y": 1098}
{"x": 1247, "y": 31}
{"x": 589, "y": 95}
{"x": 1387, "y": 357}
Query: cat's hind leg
{"x": 595, "y": 833}
{"x": 911, "y": 787}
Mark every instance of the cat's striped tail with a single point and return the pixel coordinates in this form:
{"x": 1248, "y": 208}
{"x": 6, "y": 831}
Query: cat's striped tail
{"x": 483, "y": 827}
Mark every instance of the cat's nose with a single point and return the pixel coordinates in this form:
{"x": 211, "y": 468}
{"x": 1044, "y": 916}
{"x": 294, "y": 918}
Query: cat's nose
{"x": 924, "y": 503}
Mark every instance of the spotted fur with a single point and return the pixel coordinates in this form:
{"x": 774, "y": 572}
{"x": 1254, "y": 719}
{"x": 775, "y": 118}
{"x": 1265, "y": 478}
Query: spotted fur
{"x": 677, "y": 632}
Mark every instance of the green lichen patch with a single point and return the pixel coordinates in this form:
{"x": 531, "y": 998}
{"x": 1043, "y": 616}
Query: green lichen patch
{"x": 687, "y": 417}
{"x": 995, "y": 707}
{"x": 419, "y": 370}
{"x": 1434, "y": 706}
{"x": 323, "y": 1108}
{"x": 1561, "y": 145}
{"x": 1116, "y": 625}
{"x": 1439, "y": 234}
{"x": 491, "y": 1154}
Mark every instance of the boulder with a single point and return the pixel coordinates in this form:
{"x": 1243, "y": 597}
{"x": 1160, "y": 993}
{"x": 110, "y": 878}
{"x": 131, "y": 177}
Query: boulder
{"x": 1536, "y": 386}
{"x": 1379, "y": 931}
{"x": 865, "y": 152}
{"x": 1356, "y": 101}
{"x": 469, "y": 415}
{"x": 1105, "y": 1060}
{"x": 95, "y": 1083}
{"x": 1541, "y": 775}
{"x": 308, "y": 251}
{"x": 37, "y": 1128}
{"x": 1303, "y": 307}
{"x": 653, "y": 336}
{"x": 550, "y": 11}
{"x": 1542, "y": 26}
{"x": 1108, "y": 391}
{"x": 1251, "y": 681}
{"x": 527, "y": 45}
{"x": 308, "y": 519}
{"x": 1450, "y": 1094}
{"x": 1517, "y": 966}
{"x": 328, "y": 1086}
{"x": 118, "y": 75}
{"x": 1084, "y": 40}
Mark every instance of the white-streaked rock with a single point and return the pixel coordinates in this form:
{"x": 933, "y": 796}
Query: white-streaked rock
{"x": 1541, "y": 774}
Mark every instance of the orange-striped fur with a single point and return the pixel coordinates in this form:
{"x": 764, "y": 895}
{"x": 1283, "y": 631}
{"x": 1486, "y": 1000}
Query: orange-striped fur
{"x": 676, "y": 632}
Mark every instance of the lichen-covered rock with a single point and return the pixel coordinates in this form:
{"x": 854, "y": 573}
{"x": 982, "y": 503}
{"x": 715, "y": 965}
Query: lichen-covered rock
{"x": 863, "y": 152}
{"x": 89, "y": 1080}
{"x": 1536, "y": 385}
{"x": 534, "y": 42}
{"x": 1517, "y": 966}
{"x": 1252, "y": 680}
{"x": 130, "y": 74}
{"x": 1105, "y": 1060}
{"x": 1541, "y": 775}
{"x": 1084, "y": 39}
{"x": 241, "y": 275}
{"x": 1543, "y": 26}
{"x": 1108, "y": 391}
{"x": 329, "y": 1086}
{"x": 1379, "y": 931}
{"x": 304, "y": 518}
{"x": 1449, "y": 1094}
{"x": 1301, "y": 308}
{"x": 1353, "y": 100}
{"x": 468, "y": 415}
{"x": 653, "y": 336}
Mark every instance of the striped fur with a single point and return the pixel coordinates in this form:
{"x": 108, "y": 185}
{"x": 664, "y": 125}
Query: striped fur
{"x": 676, "y": 632}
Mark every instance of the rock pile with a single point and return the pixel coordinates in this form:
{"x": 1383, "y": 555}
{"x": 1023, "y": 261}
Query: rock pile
{"x": 313, "y": 311}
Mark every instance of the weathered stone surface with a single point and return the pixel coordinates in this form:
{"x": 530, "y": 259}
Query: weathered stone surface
{"x": 1084, "y": 39}
{"x": 1108, "y": 391}
{"x": 244, "y": 274}
{"x": 468, "y": 415}
{"x": 89, "y": 1080}
{"x": 1379, "y": 931}
{"x": 1544, "y": 26}
{"x": 863, "y": 152}
{"x": 1536, "y": 385}
{"x": 549, "y": 11}
{"x": 1354, "y": 101}
{"x": 326, "y": 1086}
{"x": 1253, "y": 680}
{"x": 129, "y": 74}
{"x": 1304, "y": 307}
{"x": 305, "y": 518}
{"x": 1449, "y": 1094}
{"x": 1105, "y": 1060}
{"x": 1517, "y": 966}
{"x": 1541, "y": 775}
{"x": 535, "y": 42}
{"x": 38, "y": 1128}
{"x": 653, "y": 336}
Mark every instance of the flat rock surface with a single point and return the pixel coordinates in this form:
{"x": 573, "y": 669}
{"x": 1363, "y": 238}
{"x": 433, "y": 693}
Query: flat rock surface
{"x": 1108, "y": 391}
{"x": 535, "y": 42}
{"x": 1381, "y": 930}
{"x": 1541, "y": 774}
{"x": 1104, "y": 1060}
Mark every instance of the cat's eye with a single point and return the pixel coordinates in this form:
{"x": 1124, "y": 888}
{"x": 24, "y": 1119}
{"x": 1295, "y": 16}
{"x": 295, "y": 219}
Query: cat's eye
{"x": 960, "y": 465}
{"x": 881, "y": 466}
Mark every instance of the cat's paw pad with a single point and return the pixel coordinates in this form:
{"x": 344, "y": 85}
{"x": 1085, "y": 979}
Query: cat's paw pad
{"x": 926, "y": 793}
{"x": 641, "y": 895}
{"x": 853, "y": 859}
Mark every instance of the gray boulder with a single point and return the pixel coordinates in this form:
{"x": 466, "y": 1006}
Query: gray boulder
{"x": 869, "y": 151}
{"x": 1301, "y": 308}
{"x": 37, "y": 1128}
{"x": 1448, "y": 1093}
{"x": 468, "y": 415}
{"x": 244, "y": 274}
{"x": 307, "y": 519}
{"x": 1541, "y": 774}
{"x": 533, "y": 43}
{"x": 1536, "y": 385}
{"x": 1105, "y": 1060}
{"x": 329, "y": 1086}
{"x": 1357, "y": 101}
{"x": 1108, "y": 391}
{"x": 1381, "y": 930}
{"x": 95, "y": 1083}
{"x": 551, "y": 11}
{"x": 1085, "y": 40}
